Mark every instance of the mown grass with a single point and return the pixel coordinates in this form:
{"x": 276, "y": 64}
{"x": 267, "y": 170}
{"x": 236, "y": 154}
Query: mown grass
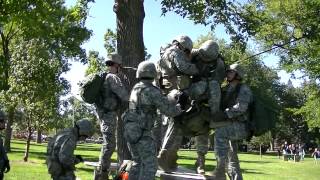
{"x": 269, "y": 167}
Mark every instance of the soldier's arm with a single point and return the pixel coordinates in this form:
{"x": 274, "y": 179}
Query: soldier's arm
{"x": 162, "y": 103}
{"x": 242, "y": 103}
{"x": 183, "y": 64}
{"x": 118, "y": 88}
{"x": 66, "y": 156}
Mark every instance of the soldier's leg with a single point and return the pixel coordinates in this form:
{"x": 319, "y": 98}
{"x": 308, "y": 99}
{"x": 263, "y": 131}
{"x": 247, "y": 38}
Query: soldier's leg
{"x": 214, "y": 96}
{"x": 107, "y": 126}
{"x": 221, "y": 149}
{"x": 202, "y": 149}
{"x": 149, "y": 159}
{"x": 157, "y": 131}
{"x": 135, "y": 169}
{"x": 234, "y": 171}
{"x": 69, "y": 175}
{"x": 168, "y": 154}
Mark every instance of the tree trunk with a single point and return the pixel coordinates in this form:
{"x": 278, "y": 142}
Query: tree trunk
{"x": 130, "y": 45}
{"x": 8, "y": 131}
{"x": 260, "y": 150}
{"x": 6, "y": 58}
{"x": 27, "y": 148}
{"x": 39, "y": 136}
{"x": 130, "y": 17}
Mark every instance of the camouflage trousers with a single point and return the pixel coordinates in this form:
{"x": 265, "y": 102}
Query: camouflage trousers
{"x": 108, "y": 128}
{"x": 144, "y": 156}
{"x": 69, "y": 175}
{"x": 207, "y": 89}
{"x": 226, "y": 148}
{"x": 171, "y": 144}
{"x": 202, "y": 144}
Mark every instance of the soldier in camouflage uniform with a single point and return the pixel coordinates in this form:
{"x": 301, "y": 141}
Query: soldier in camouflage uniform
{"x": 4, "y": 161}
{"x": 207, "y": 89}
{"x": 114, "y": 94}
{"x": 146, "y": 98}
{"x": 175, "y": 69}
{"x": 60, "y": 159}
{"x": 236, "y": 98}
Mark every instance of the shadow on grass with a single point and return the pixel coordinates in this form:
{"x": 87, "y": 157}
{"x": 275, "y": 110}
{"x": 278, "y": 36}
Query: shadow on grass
{"x": 90, "y": 170}
{"x": 194, "y": 158}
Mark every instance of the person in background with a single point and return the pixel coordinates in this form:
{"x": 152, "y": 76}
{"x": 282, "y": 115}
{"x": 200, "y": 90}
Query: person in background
{"x": 4, "y": 161}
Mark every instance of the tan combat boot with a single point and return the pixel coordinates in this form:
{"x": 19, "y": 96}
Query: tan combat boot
{"x": 200, "y": 164}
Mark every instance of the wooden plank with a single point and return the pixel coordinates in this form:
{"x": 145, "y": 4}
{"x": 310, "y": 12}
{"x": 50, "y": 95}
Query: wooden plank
{"x": 180, "y": 174}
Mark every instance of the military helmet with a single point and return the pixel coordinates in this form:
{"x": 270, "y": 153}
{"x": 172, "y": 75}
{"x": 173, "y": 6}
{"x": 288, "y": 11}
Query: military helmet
{"x": 209, "y": 50}
{"x": 237, "y": 68}
{"x": 114, "y": 57}
{"x": 85, "y": 127}
{"x": 146, "y": 69}
{"x": 184, "y": 41}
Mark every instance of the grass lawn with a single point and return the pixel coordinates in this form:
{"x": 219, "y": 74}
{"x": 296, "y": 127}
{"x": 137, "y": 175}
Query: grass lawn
{"x": 253, "y": 167}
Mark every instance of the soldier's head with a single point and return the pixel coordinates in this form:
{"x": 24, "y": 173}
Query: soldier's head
{"x": 85, "y": 129}
{"x": 184, "y": 43}
{"x": 146, "y": 70}
{"x": 209, "y": 51}
{"x": 2, "y": 120}
{"x": 235, "y": 73}
{"x": 113, "y": 62}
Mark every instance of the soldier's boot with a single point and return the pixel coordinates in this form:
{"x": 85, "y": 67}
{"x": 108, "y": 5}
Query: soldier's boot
{"x": 219, "y": 172}
{"x": 200, "y": 164}
{"x": 167, "y": 160}
{"x": 101, "y": 175}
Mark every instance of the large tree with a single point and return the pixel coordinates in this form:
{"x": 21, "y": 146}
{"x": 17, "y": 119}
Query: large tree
{"x": 61, "y": 29}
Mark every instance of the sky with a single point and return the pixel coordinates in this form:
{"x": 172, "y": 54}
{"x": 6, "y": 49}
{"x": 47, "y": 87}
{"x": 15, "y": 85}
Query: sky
{"x": 158, "y": 30}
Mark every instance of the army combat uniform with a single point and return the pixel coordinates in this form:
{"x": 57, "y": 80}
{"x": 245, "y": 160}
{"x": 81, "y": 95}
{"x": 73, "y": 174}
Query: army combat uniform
{"x": 4, "y": 161}
{"x": 235, "y": 104}
{"x": 146, "y": 99}
{"x": 175, "y": 68}
{"x": 114, "y": 94}
{"x": 206, "y": 90}
{"x": 60, "y": 158}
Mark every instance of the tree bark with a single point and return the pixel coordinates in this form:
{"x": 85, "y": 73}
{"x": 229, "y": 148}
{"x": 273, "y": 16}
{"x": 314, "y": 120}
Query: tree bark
{"x": 27, "y": 148}
{"x": 130, "y": 45}
{"x": 39, "y": 136}
{"x": 8, "y": 131}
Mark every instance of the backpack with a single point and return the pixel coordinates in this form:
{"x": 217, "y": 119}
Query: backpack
{"x": 90, "y": 88}
{"x": 262, "y": 114}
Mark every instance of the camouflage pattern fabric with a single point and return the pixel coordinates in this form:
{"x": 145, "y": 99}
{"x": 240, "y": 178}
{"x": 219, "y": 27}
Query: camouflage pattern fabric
{"x": 226, "y": 136}
{"x": 3, "y": 157}
{"x": 175, "y": 62}
{"x": 114, "y": 94}
{"x": 202, "y": 143}
{"x": 60, "y": 158}
{"x": 147, "y": 98}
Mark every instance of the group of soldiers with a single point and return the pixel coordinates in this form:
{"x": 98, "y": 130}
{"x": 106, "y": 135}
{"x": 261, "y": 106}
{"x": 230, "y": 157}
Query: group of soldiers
{"x": 184, "y": 89}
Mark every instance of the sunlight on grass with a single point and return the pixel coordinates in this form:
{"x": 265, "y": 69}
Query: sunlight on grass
{"x": 269, "y": 167}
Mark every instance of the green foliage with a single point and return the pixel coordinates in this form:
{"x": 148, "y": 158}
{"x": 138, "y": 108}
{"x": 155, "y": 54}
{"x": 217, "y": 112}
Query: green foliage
{"x": 61, "y": 29}
{"x": 96, "y": 63}
{"x": 214, "y": 12}
{"x": 290, "y": 21}
{"x": 310, "y": 109}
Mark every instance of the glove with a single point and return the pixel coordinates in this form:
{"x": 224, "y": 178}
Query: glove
{"x": 219, "y": 116}
{"x": 79, "y": 158}
{"x": 183, "y": 100}
{"x": 7, "y": 166}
